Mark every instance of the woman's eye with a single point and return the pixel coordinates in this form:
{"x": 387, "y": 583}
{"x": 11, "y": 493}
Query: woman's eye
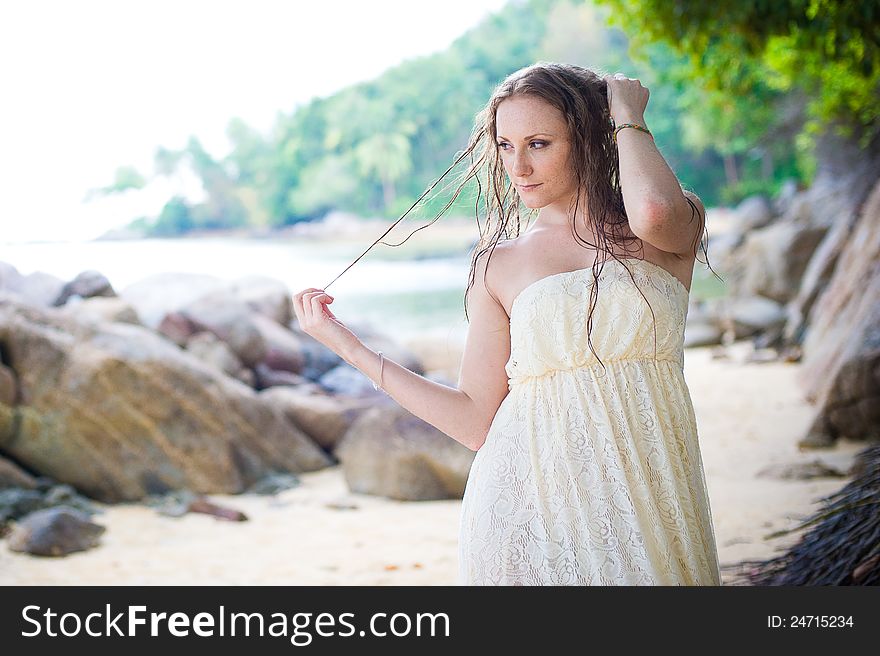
{"x": 503, "y": 143}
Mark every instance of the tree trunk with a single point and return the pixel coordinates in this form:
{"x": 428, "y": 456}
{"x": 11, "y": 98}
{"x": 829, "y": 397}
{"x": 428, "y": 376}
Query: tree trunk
{"x": 730, "y": 169}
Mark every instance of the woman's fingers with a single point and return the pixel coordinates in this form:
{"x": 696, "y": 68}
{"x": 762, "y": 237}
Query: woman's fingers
{"x": 313, "y": 303}
{"x": 316, "y": 301}
{"x": 303, "y": 305}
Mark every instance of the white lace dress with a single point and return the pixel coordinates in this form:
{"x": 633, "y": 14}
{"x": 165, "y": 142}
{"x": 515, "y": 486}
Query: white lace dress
{"x": 592, "y": 476}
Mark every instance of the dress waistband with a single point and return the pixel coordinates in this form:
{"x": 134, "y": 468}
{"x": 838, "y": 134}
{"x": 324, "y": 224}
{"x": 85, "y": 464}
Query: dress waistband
{"x": 518, "y": 380}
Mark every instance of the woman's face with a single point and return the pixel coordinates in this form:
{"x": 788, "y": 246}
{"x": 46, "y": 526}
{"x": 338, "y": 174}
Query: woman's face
{"x": 534, "y": 147}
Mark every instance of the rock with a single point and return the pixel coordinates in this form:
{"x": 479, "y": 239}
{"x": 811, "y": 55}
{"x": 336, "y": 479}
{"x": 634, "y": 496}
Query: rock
{"x": 348, "y": 381}
{"x": 802, "y": 471}
{"x": 800, "y": 212}
{"x": 172, "y": 503}
{"x": 267, "y": 296}
{"x": 701, "y": 334}
{"x": 55, "y": 532}
{"x": 770, "y": 338}
{"x": 100, "y": 309}
{"x": 265, "y": 377}
{"x": 283, "y": 348}
{"x": 707, "y": 314}
{"x": 10, "y": 278}
{"x": 119, "y": 412}
{"x": 275, "y": 482}
{"x": 231, "y": 321}
{"x": 772, "y": 260}
{"x": 841, "y": 349}
{"x": 753, "y": 212}
{"x": 85, "y": 285}
{"x": 16, "y": 502}
{"x": 761, "y": 356}
{"x": 323, "y": 418}
{"x": 208, "y": 348}
{"x": 722, "y": 246}
{"x": 160, "y": 294}
{"x": 392, "y": 351}
{"x": 815, "y": 280}
{"x": 317, "y": 358}
{"x": 390, "y": 452}
{"x": 754, "y": 314}
{"x": 788, "y": 191}
{"x": 39, "y": 289}
{"x": 8, "y": 386}
{"x": 179, "y": 328}
{"x": 11, "y": 475}
{"x": 819, "y": 435}
{"x": 163, "y": 293}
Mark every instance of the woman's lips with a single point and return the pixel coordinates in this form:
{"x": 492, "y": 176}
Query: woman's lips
{"x": 530, "y": 187}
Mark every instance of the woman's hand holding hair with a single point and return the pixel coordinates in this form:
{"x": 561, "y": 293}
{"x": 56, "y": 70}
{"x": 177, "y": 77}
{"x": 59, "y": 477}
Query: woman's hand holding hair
{"x": 627, "y": 99}
{"x": 316, "y": 319}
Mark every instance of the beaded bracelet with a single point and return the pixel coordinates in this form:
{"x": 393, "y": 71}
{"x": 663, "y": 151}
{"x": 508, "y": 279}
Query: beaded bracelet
{"x": 630, "y": 125}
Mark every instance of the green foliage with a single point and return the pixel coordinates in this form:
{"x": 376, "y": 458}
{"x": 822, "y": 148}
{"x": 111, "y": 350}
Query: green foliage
{"x": 125, "y": 179}
{"x": 828, "y": 50}
{"x": 175, "y": 219}
{"x": 738, "y": 91}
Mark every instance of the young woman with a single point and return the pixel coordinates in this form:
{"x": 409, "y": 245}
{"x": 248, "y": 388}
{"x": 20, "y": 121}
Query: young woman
{"x": 588, "y": 468}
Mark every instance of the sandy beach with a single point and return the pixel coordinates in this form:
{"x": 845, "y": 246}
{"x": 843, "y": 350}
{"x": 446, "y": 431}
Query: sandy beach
{"x": 749, "y": 416}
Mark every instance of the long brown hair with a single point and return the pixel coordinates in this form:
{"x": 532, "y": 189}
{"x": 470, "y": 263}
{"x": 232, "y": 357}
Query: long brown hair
{"x": 580, "y": 94}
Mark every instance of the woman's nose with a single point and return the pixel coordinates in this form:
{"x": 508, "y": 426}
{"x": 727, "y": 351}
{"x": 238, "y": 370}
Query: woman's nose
{"x": 521, "y": 166}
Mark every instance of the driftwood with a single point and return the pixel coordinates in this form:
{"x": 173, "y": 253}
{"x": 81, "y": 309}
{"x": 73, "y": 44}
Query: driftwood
{"x": 202, "y": 505}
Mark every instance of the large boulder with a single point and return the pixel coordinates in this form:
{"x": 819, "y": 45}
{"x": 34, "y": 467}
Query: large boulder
{"x": 772, "y": 260}
{"x": 120, "y": 412}
{"x": 841, "y": 349}
{"x": 392, "y": 453}
{"x": 324, "y": 418}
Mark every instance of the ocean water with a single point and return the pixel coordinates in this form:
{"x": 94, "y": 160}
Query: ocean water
{"x": 403, "y": 298}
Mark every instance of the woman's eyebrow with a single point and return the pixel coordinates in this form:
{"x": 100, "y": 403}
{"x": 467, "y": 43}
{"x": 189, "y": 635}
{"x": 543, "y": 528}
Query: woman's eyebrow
{"x": 545, "y": 134}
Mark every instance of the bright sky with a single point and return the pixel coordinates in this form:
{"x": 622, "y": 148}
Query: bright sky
{"x": 92, "y": 85}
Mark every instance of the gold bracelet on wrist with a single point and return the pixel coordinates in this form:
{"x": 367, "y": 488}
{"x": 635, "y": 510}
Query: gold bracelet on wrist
{"x": 631, "y": 125}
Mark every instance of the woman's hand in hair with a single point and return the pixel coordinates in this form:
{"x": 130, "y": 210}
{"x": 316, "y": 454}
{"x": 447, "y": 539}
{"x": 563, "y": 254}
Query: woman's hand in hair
{"x": 627, "y": 98}
{"x": 316, "y": 319}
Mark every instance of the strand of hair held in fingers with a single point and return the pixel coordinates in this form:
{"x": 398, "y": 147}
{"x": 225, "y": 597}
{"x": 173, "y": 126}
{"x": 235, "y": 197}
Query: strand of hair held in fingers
{"x": 391, "y": 227}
